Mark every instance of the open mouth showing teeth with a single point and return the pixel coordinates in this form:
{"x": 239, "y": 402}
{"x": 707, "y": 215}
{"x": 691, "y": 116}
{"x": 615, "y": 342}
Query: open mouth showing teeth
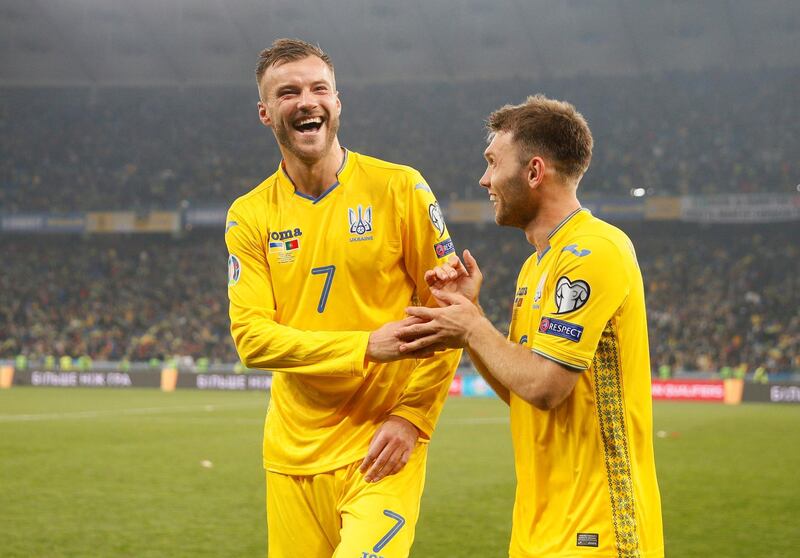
{"x": 308, "y": 124}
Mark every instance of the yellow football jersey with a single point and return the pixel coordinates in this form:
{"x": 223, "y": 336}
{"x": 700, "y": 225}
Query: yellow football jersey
{"x": 308, "y": 279}
{"x": 586, "y": 477}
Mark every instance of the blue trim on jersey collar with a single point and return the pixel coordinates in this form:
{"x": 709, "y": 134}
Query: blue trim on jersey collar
{"x": 540, "y": 256}
{"x": 564, "y": 222}
{"x": 330, "y": 189}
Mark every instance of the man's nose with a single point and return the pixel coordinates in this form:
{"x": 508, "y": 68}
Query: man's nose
{"x": 485, "y": 180}
{"x": 306, "y": 100}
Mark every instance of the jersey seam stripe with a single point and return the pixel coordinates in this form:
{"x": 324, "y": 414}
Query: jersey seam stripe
{"x": 561, "y": 362}
{"x": 564, "y": 222}
{"x": 611, "y": 416}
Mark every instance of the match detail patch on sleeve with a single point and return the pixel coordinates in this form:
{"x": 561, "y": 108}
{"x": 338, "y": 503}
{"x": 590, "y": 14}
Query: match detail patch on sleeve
{"x": 444, "y": 247}
{"x": 560, "y": 328}
{"x": 234, "y": 270}
{"x": 571, "y": 295}
{"x": 437, "y": 219}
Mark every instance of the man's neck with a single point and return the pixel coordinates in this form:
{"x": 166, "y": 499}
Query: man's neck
{"x": 313, "y": 178}
{"x": 550, "y": 215}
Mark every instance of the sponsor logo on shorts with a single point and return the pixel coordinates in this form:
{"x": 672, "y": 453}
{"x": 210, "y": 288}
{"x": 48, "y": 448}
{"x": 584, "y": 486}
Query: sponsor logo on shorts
{"x": 559, "y": 328}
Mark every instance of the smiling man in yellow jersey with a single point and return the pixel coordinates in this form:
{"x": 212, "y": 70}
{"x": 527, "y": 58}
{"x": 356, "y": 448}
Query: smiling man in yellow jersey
{"x": 575, "y": 367}
{"x": 322, "y": 254}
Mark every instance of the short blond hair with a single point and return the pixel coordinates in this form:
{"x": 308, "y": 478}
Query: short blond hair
{"x": 547, "y": 127}
{"x": 288, "y": 50}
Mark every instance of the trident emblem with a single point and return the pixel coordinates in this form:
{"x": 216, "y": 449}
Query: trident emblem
{"x": 362, "y": 223}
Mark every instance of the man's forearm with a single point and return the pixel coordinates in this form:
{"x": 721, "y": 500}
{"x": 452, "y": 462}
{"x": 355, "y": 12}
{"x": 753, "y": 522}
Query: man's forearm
{"x": 494, "y": 383}
{"x": 497, "y": 359}
{"x": 539, "y": 381}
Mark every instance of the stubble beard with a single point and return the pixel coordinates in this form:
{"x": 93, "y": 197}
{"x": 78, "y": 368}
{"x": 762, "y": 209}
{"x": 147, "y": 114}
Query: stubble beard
{"x": 284, "y": 139}
{"x": 514, "y": 210}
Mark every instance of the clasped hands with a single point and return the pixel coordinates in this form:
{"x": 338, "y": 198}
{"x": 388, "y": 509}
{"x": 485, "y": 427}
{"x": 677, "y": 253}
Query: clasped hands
{"x": 455, "y": 286}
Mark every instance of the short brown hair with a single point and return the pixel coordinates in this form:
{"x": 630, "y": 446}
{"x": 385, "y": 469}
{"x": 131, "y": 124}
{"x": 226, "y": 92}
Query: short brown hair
{"x": 288, "y": 50}
{"x": 550, "y": 128}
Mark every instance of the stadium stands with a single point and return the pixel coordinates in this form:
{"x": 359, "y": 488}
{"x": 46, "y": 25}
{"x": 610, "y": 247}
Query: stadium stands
{"x": 724, "y": 295}
{"x": 102, "y": 149}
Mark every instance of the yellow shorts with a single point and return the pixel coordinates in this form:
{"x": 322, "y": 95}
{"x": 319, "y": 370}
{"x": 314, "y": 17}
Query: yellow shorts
{"x": 338, "y": 515}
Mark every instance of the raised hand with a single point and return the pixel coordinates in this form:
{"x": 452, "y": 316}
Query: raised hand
{"x": 456, "y": 277}
{"x": 440, "y": 328}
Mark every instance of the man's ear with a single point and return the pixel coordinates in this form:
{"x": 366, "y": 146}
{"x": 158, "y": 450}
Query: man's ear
{"x": 535, "y": 171}
{"x": 263, "y": 114}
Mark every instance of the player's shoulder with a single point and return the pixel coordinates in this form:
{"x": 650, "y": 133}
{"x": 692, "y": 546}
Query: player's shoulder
{"x": 258, "y": 197}
{"x": 373, "y": 165}
{"x": 594, "y": 234}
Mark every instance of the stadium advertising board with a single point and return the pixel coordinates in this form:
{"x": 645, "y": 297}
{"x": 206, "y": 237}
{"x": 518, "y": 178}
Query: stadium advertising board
{"x": 70, "y": 379}
{"x": 456, "y": 385}
{"x": 741, "y": 208}
{"x": 130, "y": 222}
{"x": 226, "y": 382}
{"x": 615, "y": 208}
{"x": 772, "y": 393}
{"x": 689, "y": 390}
{"x": 470, "y": 385}
{"x": 475, "y": 386}
{"x": 210, "y": 217}
{"x": 662, "y": 208}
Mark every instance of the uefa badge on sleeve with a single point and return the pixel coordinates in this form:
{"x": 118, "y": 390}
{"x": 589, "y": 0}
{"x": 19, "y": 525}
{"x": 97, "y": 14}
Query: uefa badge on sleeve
{"x": 234, "y": 270}
{"x": 436, "y": 217}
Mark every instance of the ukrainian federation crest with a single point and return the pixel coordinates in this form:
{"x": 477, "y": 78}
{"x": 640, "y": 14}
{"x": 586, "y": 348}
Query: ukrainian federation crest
{"x": 571, "y": 295}
{"x": 435, "y": 213}
{"x": 360, "y": 221}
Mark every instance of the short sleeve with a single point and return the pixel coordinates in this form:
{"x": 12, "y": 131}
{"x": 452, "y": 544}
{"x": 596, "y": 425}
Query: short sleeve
{"x": 586, "y": 288}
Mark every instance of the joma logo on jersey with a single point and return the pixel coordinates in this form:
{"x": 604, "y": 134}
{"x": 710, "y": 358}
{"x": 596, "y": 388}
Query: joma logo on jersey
{"x": 286, "y": 235}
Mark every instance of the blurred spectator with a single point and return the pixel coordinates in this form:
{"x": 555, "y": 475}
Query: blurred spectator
{"x": 81, "y": 149}
{"x": 719, "y": 296}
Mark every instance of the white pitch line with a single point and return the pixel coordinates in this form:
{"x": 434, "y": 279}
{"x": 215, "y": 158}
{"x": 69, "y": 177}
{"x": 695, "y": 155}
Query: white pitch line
{"x": 113, "y": 412}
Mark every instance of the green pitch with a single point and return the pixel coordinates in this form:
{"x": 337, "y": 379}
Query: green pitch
{"x": 103, "y": 473}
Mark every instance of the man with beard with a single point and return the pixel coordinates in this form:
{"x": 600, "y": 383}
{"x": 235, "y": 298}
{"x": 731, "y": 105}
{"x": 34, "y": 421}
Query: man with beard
{"x": 322, "y": 254}
{"x": 575, "y": 366}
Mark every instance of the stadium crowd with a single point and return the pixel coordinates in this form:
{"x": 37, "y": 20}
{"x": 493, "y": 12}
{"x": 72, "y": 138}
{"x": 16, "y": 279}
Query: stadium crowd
{"x": 717, "y": 296}
{"x": 101, "y": 149}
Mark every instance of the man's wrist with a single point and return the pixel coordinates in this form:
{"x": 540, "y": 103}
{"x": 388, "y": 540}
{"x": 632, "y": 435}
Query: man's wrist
{"x": 476, "y": 330}
{"x": 369, "y": 354}
{"x": 408, "y": 422}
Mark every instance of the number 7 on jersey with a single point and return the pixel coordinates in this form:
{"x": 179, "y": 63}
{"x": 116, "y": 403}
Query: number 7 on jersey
{"x": 328, "y": 271}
